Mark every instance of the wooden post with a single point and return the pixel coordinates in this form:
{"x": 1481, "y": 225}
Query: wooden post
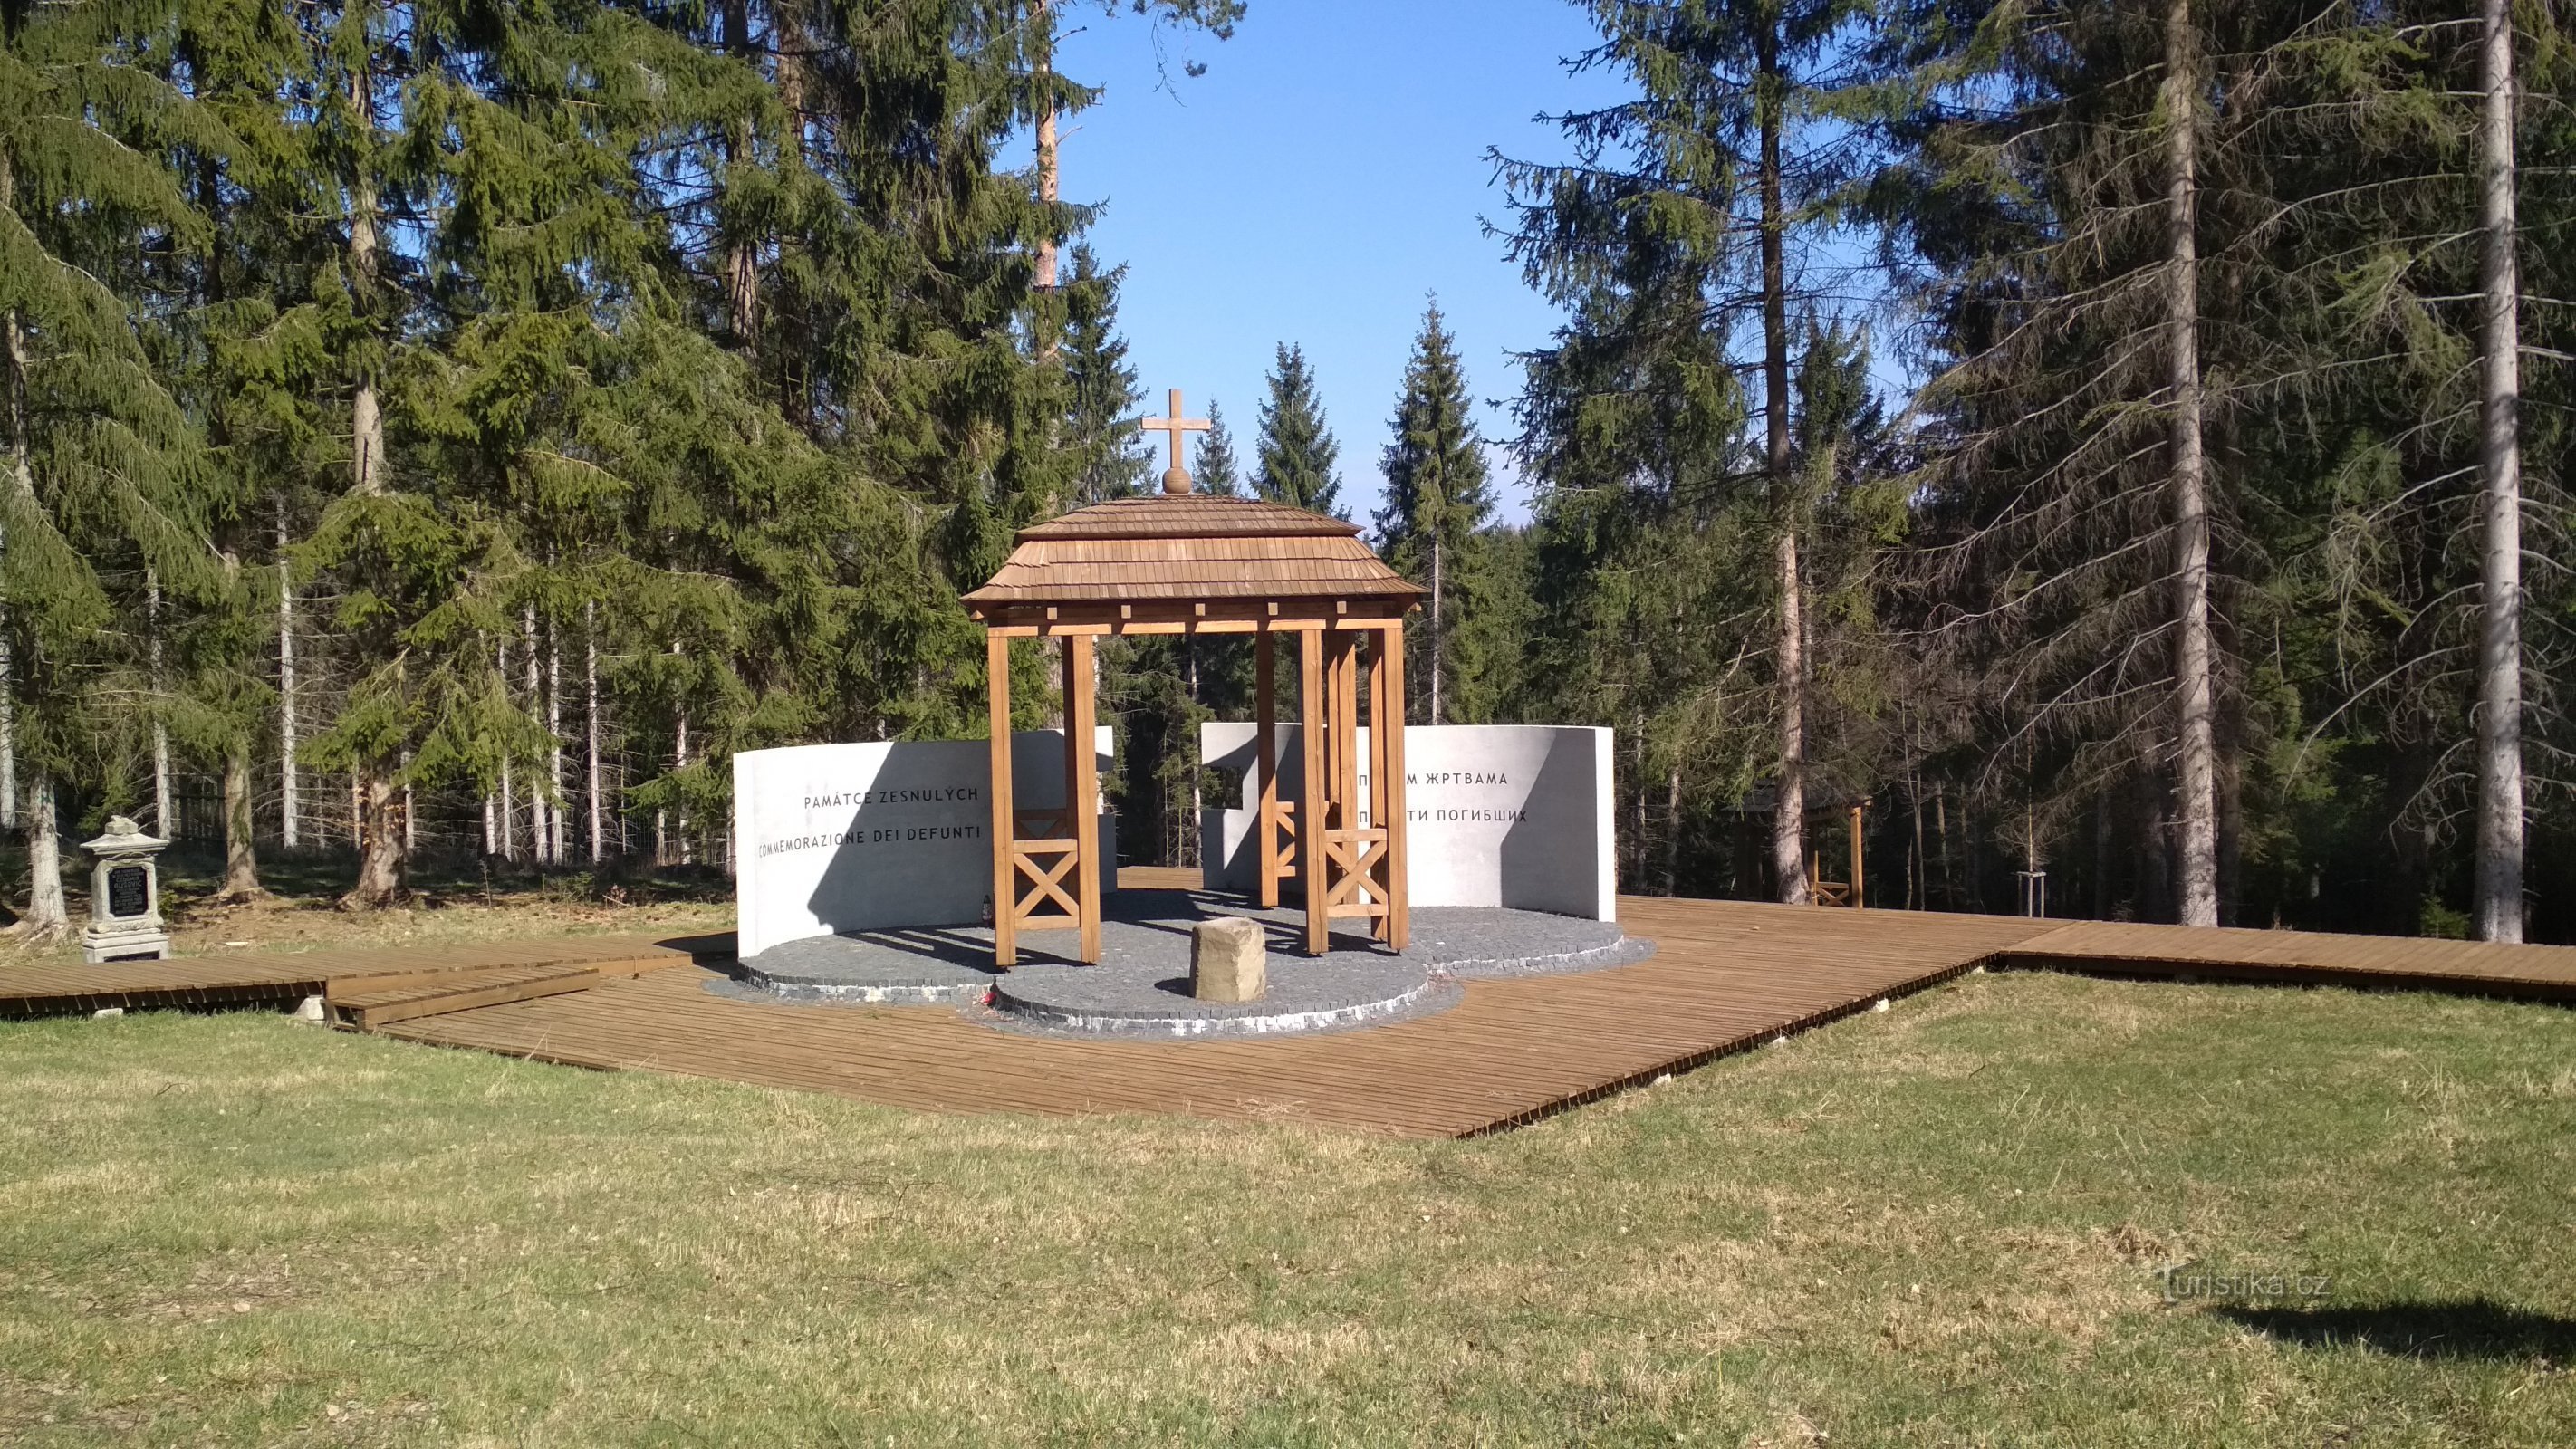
{"x": 1265, "y": 747}
{"x": 1006, "y": 872}
{"x": 1311, "y": 725}
{"x": 1858, "y": 903}
{"x": 1391, "y": 688}
{"x": 1343, "y": 693}
{"x": 1346, "y": 725}
{"x": 1377, "y": 797}
{"x": 1329, "y": 712}
{"x": 1345, "y": 716}
{"x": 1082, "y": 791}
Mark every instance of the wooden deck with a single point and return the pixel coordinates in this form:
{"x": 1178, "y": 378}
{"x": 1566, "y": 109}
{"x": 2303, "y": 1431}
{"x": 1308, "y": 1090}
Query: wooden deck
{"x": 1727, "y": 975}
{"x": 263, "y": 978}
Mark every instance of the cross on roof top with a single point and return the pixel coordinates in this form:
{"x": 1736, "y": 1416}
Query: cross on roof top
{"x": 1176, "y": 479}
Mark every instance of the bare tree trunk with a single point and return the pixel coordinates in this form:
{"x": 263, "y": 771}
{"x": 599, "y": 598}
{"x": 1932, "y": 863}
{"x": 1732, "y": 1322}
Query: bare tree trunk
{"x": 680, "y": 761}
{"x": 792, "y": 45}
{"x": 1048, "y": 186}
{"x": 2156, "y": 883}
{"x": 538, "y": 834}
{"x": 509, "y": 813}
{"x": 742, "y": 252}
{"x": 590, "y": 715}
{"x": 241, "y": 859}
{"x": 1789, "y": 811}
{"x": 1190, "y": 751}
{"x": 1439, "y": 634}
{"x": 366, "y": 418}
{"x": 8, "y": 729}
{"x": 287, "y": 793}
{"x": 380, "y": 844}
{"x": 1972, "y": 838}
{"x": 368, "y": 438}
{"x": 788, "y": 43}
{"x": 22, "y": 482}
{"x": 2231, "y": 837}
{"x": 374, "y": 790}
{"x": 47, "y": 918}
{"x": 2102, "y": 855}
{"x": 2497, "y": 910}
{"x": 742, "y": 292}
{"x": 1673, "y": 831}
{"x": 1918, "y": 866}
{"x": 554, "y": 750}
{"x": 1636, "y": 873}
{"x": 381, "y": 857}
{"x": 2194, "y": 665}
{"x": 161, "y": 820}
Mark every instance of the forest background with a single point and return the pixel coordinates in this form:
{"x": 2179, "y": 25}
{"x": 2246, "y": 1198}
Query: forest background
{"x": 450, "y": 430}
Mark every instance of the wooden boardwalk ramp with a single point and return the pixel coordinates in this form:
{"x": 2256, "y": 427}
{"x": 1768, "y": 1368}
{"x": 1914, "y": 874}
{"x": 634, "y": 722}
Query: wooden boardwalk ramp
{"x": 283, "y": 978}
{"x": 2305, "y": 957}
{"x": 372, "y": 1003}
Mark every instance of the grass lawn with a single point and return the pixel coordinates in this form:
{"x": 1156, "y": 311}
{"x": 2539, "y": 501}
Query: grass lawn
{"x": 454, "y": 899}
{"x": 1936, "y": 1226}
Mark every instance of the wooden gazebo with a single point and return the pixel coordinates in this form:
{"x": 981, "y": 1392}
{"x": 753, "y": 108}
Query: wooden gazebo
{"x": 1192, "y": 563}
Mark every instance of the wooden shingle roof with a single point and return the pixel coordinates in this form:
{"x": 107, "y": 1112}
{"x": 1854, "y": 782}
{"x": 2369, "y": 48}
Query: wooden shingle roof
{"x": 1190, "y": 547}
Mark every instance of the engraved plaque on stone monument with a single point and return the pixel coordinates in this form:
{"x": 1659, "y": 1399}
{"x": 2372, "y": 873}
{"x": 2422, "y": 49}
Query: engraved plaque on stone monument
{"x": 129, "y": 892}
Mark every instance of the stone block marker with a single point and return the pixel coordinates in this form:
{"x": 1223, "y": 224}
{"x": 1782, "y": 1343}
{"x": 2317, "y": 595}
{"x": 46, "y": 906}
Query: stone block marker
{"x": 1227, "y": 960}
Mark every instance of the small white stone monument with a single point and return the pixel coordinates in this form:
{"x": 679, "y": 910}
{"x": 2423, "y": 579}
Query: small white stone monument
{"x": 124, "y": 897}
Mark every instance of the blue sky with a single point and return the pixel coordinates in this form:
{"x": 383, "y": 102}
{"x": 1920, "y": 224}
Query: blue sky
{"x": 1325, "y": 174}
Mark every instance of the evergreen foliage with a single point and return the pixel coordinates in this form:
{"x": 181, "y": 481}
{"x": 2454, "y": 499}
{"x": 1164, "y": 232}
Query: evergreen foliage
{"x": 105, "y": 483}
{"x": 1213, "y": 468}
{"x": 1105, "y": 399}
{"x": 1295, "y": 456}
{"x": 1431, "y": 529}
{"x": 464, "y": 428}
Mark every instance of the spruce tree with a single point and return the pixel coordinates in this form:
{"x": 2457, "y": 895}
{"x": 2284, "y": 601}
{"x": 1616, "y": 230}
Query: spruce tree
{"x": 247, "y": 178}
{"x": 1217, "y": 670}
{"x": 1714, "y": 182}
{"x": 1438, "y": 504}
{"x": 1295, "y": 456}
{"x": 102, "y": 486}
{"x": 1101, "y": 424}
{"x": 1213, "y": 467}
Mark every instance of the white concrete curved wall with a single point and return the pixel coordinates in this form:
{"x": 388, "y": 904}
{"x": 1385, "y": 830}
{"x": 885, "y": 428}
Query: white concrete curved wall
{"x": 1497, "y": 815}
{"x": 860, "y": 837}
